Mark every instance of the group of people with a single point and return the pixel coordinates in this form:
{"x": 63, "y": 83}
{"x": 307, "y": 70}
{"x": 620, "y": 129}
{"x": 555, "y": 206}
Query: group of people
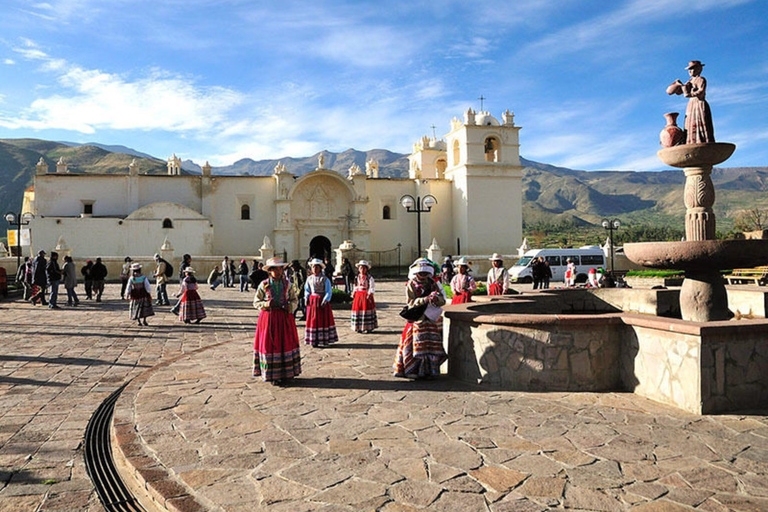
{"x": 42, "y": 278}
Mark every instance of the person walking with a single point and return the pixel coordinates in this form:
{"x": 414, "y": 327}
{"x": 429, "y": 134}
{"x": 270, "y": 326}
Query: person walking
{"x": 276, "y": 355}
{"x": 348, "y": 273}
{"x": 214, "y": 278}
{"x": 161, "y": 281}
{"x": 125, "y": 274}
{"x": 420, "y": 352}
{"x": 462, "y": 284}
{"x": 39, "y": 279}
{"x": 498, "y": 277}
{"x": 363, "y": 316}
{"x": 232, "y": 273}
{"x": 191, "y": 304}
{"x": 99, "y": 273}
{"x": 24, "y": 277}
{"x": 70, "y": 281}
{"x": 320, "y": 330}
{"x": 87, "y": 279}
{"x": 546, "y": 272}
{"x": 242, "y": 274}
{"x": 225, "y": 271}
{"x": 537, "y": 271}
{"x": 186, "y": 261}
{"x": 139, "y": 293}
{"x": 53, "y": 272}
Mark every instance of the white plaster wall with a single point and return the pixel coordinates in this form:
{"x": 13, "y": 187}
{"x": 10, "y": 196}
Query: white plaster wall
{"x": 183, "y": 190}
{"x": 233, "y": 235}
{"x": 62, "y": 195}
{"x": 494, "y": 215}
{"x": 401, "y": 228}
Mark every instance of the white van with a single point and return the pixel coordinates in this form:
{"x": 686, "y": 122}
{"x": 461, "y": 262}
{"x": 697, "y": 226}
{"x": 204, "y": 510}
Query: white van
{"x": 584, "y": 258}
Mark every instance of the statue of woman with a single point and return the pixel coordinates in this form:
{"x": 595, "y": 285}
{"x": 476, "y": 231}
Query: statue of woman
{"x": 698, "y": 117}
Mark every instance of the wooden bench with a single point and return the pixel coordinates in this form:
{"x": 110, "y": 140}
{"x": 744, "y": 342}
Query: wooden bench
{"x": 757, "y": 275}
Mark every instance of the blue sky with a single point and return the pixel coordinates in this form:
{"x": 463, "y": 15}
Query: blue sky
{"x": 221, "y": 80}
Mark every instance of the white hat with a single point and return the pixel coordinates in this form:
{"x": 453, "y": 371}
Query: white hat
{"x": 363, "y": 263}
{"x": 189, "y": 270}
{"x": 157, "y": 256}
{"x": 422, "y": 265}
{"x": 316, "y": 261}
{"x": 275, "y": 262}
{"x": 463, "y": 261}
{"x": 136, "y": 266}
{"x": 496, "y": 257}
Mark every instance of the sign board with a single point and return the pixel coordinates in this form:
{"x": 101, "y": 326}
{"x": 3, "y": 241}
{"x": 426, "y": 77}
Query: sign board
{"x": 25, "y": 237}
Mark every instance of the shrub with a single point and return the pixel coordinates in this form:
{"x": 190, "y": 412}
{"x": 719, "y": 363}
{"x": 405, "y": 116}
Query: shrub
{"x": 340, "y": 296}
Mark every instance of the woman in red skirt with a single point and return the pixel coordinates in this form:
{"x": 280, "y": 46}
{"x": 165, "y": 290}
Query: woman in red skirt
{"x": 363, "y": 306}
{"x": 191, "y": 305}
{"x": 276, "y": 356}
{"x": 462, "y": 284}
{"x": 498, "y": 277}
{"x": 320, "y": 330}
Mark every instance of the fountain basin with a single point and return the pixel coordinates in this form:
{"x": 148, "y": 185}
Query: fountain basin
{"x": 702, "y": 368}
{"x": 697, "y": 155}
{"x": 704, "y": 255}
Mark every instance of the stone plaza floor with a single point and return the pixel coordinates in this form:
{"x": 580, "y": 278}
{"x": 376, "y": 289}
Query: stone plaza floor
{"x": 346, "y": 436}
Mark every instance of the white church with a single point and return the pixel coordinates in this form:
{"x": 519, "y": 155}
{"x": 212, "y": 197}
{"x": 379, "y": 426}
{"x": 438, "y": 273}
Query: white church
{"x": 471, "y": 180}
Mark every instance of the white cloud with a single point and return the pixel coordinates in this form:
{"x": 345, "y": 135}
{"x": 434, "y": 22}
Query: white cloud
{"x": 746, "y": 93}
{"x": 9, "y": 62}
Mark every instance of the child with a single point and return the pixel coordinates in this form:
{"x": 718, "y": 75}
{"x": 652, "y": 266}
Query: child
{"x": 191, "y": 305}
{"x": 363, "y": 306}
{"x": 320, "y": 330}
{"x": 462, "y": 284}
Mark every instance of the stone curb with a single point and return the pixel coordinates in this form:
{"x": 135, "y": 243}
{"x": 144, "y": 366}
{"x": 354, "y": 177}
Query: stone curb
{"x": 154, "y": 485}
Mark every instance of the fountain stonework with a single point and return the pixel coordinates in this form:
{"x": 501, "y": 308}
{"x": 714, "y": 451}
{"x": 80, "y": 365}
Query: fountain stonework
{"x": 634, "y": 339}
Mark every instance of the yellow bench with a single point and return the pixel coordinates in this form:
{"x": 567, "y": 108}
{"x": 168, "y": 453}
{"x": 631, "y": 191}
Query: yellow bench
{"x": 757, "y": 275}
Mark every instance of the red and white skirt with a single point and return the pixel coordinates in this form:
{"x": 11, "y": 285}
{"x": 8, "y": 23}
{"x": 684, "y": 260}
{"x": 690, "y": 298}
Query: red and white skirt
{"x": 363, "y": 312}
{"x": 461, "y": 298}
{"x": 276, "y": 347}
{"x": 320, "y": 329}
{"x": 495, "y": 289}
{"x": 191, "y": 306}
{"x": 420, "y": 352}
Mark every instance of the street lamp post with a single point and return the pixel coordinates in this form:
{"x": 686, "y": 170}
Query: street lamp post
{"x": 418, "y": 206}
{"x": 610, "y": 225}
{"x": 18, "y": 220}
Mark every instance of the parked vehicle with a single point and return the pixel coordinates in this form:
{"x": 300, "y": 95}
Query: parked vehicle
{"x": 584, "y": 258}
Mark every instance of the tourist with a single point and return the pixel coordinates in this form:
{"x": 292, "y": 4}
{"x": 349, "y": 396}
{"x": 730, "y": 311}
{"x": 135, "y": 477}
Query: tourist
{"x": 242, "y": 273}
{"x": 258, "y": 274}
{"x": 446, "y": 270}
{"x": 348, "y": 273}
{"x": 161, "y": 281}
{"x": 546, "y": 272}
{"x": 138, "y": 292}
{"x": 39, "y": 279}
{"x": 276, "y": 355}
{"x": 328, "y": 269}
{"x": 570, "y": 273}
{"x": 462, "y": 284}
{"x": 24, "y": 277}
{"x": 53, "y": 271}
{"x": 214, "y": 278}
{"x": 363, "y": 317}
{"x": 225, "y": 271}
{"x": 99, "y": 273}
{"x": 87, "y": 279}
{"x": 191, "y": 305}
{"x": 70, "y": 281}
{"x": 537, "y": 273}
{"x": 320, "y": 330}
{"x": 498, "y": 277}
{"x": 420, "y": 352}
{"x": 186, "y": 261}
{"x": 125, "y": 274}
{"x": 232, "y": 273}
{"x": 298, "y": 277}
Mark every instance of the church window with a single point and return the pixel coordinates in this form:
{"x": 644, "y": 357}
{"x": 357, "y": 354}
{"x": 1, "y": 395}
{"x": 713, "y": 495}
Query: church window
{"x": 245, "y": 212}
{"x": 88, "y": 208}
{"x": 491, "y": 148}
{"x": 456, "y": 153}
{"x": 167, "y": 224}
{"x": 386, "y": 212}
{"x": 440, "y": 165}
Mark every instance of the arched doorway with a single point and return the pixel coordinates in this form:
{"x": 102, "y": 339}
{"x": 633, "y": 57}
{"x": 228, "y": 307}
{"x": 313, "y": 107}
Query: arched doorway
{"x": 320, "y": 247}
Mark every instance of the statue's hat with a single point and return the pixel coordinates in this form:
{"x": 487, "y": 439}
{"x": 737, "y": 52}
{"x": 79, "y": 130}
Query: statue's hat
{"x": 694, "y": 63}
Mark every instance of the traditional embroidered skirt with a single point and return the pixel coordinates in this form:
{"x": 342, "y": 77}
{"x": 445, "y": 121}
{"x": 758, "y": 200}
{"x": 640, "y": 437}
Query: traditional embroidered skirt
{"x": 141, "y": 304}
{"x": 495, "y": 289}
{"x": 276, "y": 348}
{"x": 321, "y": 327}
{"x": 191, "y": 306}
{"x": 364, "y": 312}
{"x": 420, "y": 352}
{"x": 461, "y": 298}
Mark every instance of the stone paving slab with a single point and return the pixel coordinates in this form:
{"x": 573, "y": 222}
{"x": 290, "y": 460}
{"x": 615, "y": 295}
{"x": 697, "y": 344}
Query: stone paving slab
{"x": 347, "y": 436}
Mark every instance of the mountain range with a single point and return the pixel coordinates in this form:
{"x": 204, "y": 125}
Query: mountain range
{"x": 550, "y": 194}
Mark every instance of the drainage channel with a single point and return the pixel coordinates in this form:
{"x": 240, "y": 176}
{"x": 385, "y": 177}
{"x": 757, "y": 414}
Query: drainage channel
{"x": 114, "y": 495}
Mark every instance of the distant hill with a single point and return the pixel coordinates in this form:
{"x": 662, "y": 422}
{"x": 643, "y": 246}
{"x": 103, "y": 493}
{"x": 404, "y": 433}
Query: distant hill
{"x": 550, "y": 194}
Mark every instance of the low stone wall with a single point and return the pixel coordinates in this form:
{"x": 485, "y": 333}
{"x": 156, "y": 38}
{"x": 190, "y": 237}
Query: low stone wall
{"x": 703, "y": 368}
{"x": 750, "y": 301}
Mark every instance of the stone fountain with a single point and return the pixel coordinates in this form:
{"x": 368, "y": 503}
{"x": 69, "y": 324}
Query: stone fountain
{"x": 703, "y": 296}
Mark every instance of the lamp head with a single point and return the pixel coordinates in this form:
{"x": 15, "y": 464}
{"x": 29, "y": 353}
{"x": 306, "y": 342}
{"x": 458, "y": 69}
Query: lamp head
{"x": 606, "y": 224}
{"x": 429, "y": 201}
{"x": 26, "y": 217}
{"x": 407, "y": 201}
{"x": 616, "y": 223}
{"x": 11, "y": 218}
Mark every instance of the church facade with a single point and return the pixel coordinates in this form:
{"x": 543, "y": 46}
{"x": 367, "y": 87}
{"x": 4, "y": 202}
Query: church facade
{"x": 474, "y": 176}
